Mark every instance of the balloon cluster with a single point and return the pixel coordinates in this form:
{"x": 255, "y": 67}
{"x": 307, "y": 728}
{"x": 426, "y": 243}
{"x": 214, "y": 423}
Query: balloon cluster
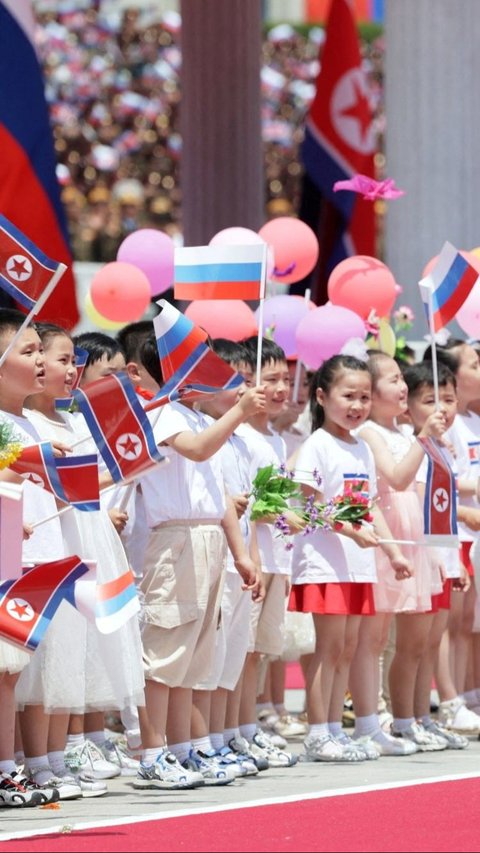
{"x": 121, "y": 291}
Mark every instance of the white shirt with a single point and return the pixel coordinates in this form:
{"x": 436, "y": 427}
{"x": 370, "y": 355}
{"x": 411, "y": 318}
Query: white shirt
{"x": 464, "y": 434}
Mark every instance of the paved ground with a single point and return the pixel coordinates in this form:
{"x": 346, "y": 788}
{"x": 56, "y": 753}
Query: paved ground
{"x": 304, "y": 780}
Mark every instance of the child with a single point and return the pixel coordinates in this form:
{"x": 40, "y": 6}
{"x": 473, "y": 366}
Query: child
{"x": 112, "y": 676}
{"x": 105, "y": 355}
{"x": 334, "y": 570}
{"x": 188, "y": 516}
{"x": 398, "y": 457}
{"x": 464, "y": 435}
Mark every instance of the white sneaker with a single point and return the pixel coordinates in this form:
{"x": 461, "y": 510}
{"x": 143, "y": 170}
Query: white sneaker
{"x": 88, "y": 760}
{"x": 386, "y": 744}
{"x": 454, "y": 740}
{"x": 263, "y": 744}
{"x": 366, "y": 748}
{"x": 289, "y": 727}
{"x": 326, "y": 748}
{"x": 88, "y": 787}
{"x": 114, "y": 754}
{"x": 166, "y": 773}
{"x": 423, "y": 740}
{"x": 67, "y": 787}
{"x": 455, "y": 715}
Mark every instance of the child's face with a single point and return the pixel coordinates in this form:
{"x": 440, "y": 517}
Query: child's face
{"x": 24, "y": 367}
{"x": 390, "y": 391}
{"x": 347, "y": 403}
{"x": 276, "y": 379}
{"x": 468, "y": 374}
{"x": 60, "y": 370}
{"x": 105, "y": 366}
{"x": 304, "y": 384}
{"x": 422, "y": 404}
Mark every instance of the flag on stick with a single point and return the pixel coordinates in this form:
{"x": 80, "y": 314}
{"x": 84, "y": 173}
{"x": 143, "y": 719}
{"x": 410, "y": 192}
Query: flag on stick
{"x": 72, "y": 479}
{"x": 446, "y": 287}
{"x": 119, "y": 425}
{"x": 440, "y": 510}
{"x": 220, "y": 272}
{"x": 29, "y": 603}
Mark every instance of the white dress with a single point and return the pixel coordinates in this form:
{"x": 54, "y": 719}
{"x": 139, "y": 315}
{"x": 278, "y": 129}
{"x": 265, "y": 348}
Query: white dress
{"x": 113, "y": 667}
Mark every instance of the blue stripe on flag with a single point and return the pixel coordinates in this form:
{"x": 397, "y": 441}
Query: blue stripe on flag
{"x": 448, "y": 286}
{"x": 174, "y": 336}
{"x": 115, "y": 604}
{"x": 203, "y": 273}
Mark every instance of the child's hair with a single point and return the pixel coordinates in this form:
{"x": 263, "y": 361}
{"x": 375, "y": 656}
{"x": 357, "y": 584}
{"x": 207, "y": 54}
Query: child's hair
{"x": 48, "y": 331}
{"x": 270, "y": 351}
{"x": 419, "y": 376}
{"x": 97, "y": 345}
{"x": 11, "y": 320}
{"x": 375, "y": 358}
{"x": 131, "y": 338}
{"x": 447, "y": 354}
{"x": 150, "y": 359}
{"x": 233, "y": 352}
{"x": 325, "y": 377}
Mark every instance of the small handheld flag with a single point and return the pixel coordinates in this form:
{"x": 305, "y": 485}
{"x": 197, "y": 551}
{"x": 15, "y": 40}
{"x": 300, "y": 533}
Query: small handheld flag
{"x": 220, "y": 272}
{"x": 446, "y": 287}
{"x": 440, "y": 511}
{"x": 26, "y": 273}
{"x": 72, "y": 479}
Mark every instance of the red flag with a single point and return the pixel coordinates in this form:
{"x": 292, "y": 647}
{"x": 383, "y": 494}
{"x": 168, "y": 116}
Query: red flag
{"x": 29, "y": 603}
{"x": 72, "y": 479}
{"x": 29, "y": 190}
{"x": 119, "y": 425}
{"x": 440, "y": 511}
{"x": 339, "y": 143}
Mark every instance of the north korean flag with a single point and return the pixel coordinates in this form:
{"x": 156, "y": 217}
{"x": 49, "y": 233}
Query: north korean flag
{"x": 29, "y": 603}
{"x": 72, "y": 479}
{"x": 440, "y": 511}
{"x": 119, "y": 426}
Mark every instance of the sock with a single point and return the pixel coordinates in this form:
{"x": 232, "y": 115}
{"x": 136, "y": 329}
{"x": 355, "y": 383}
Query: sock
{"x": 335, "y": 729}
{"x": 280, "y": 709}
{"x": 381, "y": 737}
{"x": 477, "y": 691}
{"x": 401, "y": 724}
{"x": 150, "y": 755}
{"x": 264, "y": 706}
{"x": 230, "y": 734}
{"x": 248, "y": 731}
{"x": 470, "y": 698}
{"x": 216, "y": 739}
{"x": 39, "y": 768}
{"x": 74, "y": 740}
{"x": 204, "y": 744}
{"x": 56, "y": 761}
{"x": 20, "y": 758}
{"x": 366, "y": 726}
{"x": 8, "y": 767}
{"x": 318, "y": 730}
{"x": 181, "y": 751}
{"x": 98, "y": 738}
{"x": 426, "y": 720}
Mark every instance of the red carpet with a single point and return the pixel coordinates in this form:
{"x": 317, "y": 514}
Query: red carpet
{"x": 441, "y": 816}
{"x": 294, "y": 679}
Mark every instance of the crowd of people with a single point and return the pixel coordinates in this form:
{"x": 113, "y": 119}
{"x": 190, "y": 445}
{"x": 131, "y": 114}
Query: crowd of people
{"x": 113, "y": 83}
{"x": 219, "y": 575}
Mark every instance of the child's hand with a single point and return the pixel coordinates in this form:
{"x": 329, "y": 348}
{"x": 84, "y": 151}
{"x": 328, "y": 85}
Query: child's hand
{"x": 434, "y": 426}
{"x": 118, "y": 519}
{"x": 60, "y": 449}
{"x": 470, "y": 516}
{"x": 402, "y": 568}
{"x": 463, "y": 583}
{"x": 362, "y": 534}
{"x": 295, "y": 522}
{"x": 240, "y": 503}
{"x": 252, "y": 401}
{"x": 27, "y": 531}
{"x": 252, "y": 578}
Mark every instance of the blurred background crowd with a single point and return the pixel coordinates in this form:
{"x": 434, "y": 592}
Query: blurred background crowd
{"x": 113, "y": 84}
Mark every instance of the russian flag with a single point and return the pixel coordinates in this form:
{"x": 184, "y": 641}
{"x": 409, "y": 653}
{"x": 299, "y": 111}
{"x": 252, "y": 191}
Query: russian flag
{"x": 220, "y": 272}
{"x": 440, "y": 509}
{"x": 29, "y": 190}
{"x": 446, "y": 287}
{"x": 115, "y": 603}
{"x": 182, "y": 347}
{"x": 29, "y": 603}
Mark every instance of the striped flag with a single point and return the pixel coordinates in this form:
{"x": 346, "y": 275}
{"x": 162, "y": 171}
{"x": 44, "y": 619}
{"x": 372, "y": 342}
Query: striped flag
{"x": 108, "y": 605}
{"x": 446, "y": 287}
{"x": 29, "y": 603}
{"x": 119, "y": 426}
{"x": 26, "y": 273}
{"x": 220, "y": 272}
{"x": 189, "y": 367}
{"x": 440, "y": 510}
{"x": 29, "y": 188}
{"x": 72, "y": 479}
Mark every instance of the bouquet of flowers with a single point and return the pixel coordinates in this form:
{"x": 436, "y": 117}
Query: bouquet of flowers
{"x": 10, "y": 446}
{"x": 275, "y": 491}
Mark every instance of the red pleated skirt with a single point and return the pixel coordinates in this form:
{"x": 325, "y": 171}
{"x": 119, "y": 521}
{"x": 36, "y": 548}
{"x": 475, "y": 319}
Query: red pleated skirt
{"x": 333, "y": 599}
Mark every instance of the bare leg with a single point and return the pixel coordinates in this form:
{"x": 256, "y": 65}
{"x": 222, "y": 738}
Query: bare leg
{"x": 153, "y": 717}
{"x": 329, "y": 645}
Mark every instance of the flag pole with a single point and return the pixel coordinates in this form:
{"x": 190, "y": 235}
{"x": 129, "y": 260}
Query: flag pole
{"x": 298, "y": 366}
{"x": 431, "y": 325}
{"x": 36, "y": 308}
{"x": 260, "y": 314}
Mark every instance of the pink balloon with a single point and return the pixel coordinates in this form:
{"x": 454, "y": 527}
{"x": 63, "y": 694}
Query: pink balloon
{"x": 468, "y": 315}
{"x": 281, "y": 315}
{"x": 152, "y": 252}
{"x": 223, "y": 318}
{"x": 235, "y": 237}
{"x": 295, "y": 248}
{"x": 120, "y": 292}
{"x": 322, "y": 333}
{"x": 361, "y": 284}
